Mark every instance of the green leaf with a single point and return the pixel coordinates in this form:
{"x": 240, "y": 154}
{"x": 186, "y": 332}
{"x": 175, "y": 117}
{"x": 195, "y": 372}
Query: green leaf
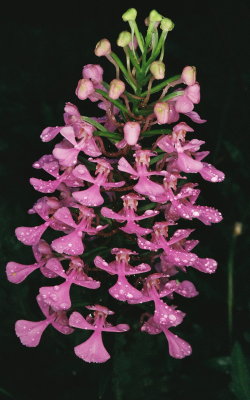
{"x": 156, "y": 159}
{"x": 240, "y": 374}
{"x": 156, "y": 132}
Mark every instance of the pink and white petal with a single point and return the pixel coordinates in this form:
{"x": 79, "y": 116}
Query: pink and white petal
{"x": 179, "y": 235}
{"x": 186, "y": 289}
{"x": 30, "y": 332}
{"x": 166, "y": 144}
{"x": 187, "y": 164}
{"x": 123, "y": 291}
{"x": 180, "y": 258}
{"x": 91, "y": 148}
{"x": 194, "y": 116}
{"x": 57, "y": 296}
{"x": 108, "y": 213}
{"x": 146, "y": 244}
{"x": 178, "y": 348}
{"x": 109, "y": 185}
{"x": 90, "y": 197}
{"x": 132, "y": 228}
{"x": 82, "y": 172}
{"x": 55, "y": 266}
{"x": 190, "y": 244}
{"x": 68, "y": 133}
{"x": 44, "y": 186}
{"x": 63, "y": 214}
{"x": 70, "y": 244}
{"x": 167, "y": 315}
{"x": 147, "y": 214}
{"x": 123, "y": 165}
{"x": 151, "y": 327}
{"x": 93, "y": 349}
{"x": 16, "y": 273}
{"x": 66, "y": 156}
{"x": 139, "y": 269}
{"x": 31, "y": 235}
{"x": 102, "y": 264}
{"x": 149, "y": 188}
{"x": 45, "y": 308}
{"x": 207, "y": 215}
{"x": 50, "y": 133}
{"x": 210, "y": 173}
{"x": 78, "y": 321}
{"x": 207, "y": 265}
{"x": 83, "y": 280}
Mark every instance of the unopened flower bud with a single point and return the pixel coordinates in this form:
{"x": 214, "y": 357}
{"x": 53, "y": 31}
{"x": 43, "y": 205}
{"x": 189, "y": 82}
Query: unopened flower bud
{"x": 193, "y": 93}
{"x": 157, "y": 69}
{"x": 103, "y": 48}
{"x": 129, "y": 15}
{"x": 93, "y": 72}
{"x": 161, "y": 111}
{"x": 124, "y": 39}
{"x": 189, "y": 75}
{"x": 84, "y": 89}
{"x": 116, "y": 88}
{"x": 167, "y": 25}
{"x": 238, "y": 226}
{"x": 154, "y": 16}
{"x": 131, "y": 132}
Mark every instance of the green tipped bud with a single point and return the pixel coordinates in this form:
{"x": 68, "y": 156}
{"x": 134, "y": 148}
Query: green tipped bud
{"x": 167, "y": 25}
{"x": 124, "y": 39}
{"x": 154, "y": 16}
{"x": 157, "y": 69}
{"x": 103, "y": 48}
{"x": 129, "y": 15}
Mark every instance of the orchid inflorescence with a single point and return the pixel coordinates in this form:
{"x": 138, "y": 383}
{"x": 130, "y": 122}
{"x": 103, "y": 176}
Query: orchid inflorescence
{"x": 101, "y": 170}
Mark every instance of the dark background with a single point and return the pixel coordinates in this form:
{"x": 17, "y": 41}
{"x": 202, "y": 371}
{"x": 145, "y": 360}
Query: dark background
{"x": 43, "y": 50}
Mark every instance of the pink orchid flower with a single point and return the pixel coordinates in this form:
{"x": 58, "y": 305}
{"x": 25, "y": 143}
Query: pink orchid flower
{"x": 144, "y": 186}
{"x": 92, "y": 196}
{"x": 93, "y": 350}
{"x": 122, "y": 290}
{"x": 178, "y": 348}
{"x": 127, "y": 213}
{"x": 30, "y": 332}
{"x": 58, "y": 296}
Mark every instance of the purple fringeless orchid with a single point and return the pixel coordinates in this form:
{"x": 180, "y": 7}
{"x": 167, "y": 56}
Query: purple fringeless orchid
{"x": 120, "y": 190}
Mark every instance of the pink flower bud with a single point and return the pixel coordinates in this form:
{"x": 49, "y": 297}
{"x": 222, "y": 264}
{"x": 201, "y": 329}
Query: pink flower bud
{"x": 193, "y": 93}
{"x": 84, "y": 89}
{"x": 133, "y": 43}
{"x": 157, "y": 69}
{"x": 182, "y": 126}
{"x": 161, "y": 111}
{"x": 189, "y": 75}
{"x": 131, "y": 132}
{"x": 103, "y": 48}
{"x": 117, "y": 87}
{"x": 184, "y": 104}
{"x": 93, "y": 72}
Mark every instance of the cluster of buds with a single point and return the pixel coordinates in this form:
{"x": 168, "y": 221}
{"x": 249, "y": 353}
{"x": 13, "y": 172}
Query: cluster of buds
{"x": 117, "y": 180}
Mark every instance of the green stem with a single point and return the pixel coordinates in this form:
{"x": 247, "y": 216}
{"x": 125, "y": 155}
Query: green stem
{"x": 161, "y": 85}
{"x": 134, "y": 27}
{"x": 117, "y": 103}
{"x": 124, "y": 70}
{"x": 230, "y": 287}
